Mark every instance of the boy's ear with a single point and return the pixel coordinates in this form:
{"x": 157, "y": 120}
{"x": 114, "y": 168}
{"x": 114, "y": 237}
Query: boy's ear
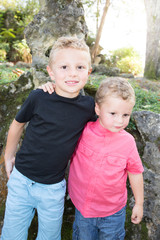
{"x": 49, "y": 70}
{"x": 90, "y": 70}
{"x": 97, "y": 109}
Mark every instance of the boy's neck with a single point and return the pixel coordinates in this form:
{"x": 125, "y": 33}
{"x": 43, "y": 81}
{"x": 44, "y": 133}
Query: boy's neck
{"x": 67, "y": 95}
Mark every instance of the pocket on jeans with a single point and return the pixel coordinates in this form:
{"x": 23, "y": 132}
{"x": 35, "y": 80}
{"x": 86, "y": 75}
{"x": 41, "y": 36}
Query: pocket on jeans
{"x": 63, "y": 183}
{"x": 11, "y": 178}
{"x": 121, "y": 212}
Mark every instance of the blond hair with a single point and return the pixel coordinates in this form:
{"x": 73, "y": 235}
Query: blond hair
{"x": 116, "y": 87}
{"x": 68, "y": 42}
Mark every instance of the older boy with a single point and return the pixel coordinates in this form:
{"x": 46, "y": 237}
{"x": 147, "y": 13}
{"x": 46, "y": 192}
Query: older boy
{"x": 55, "y": 124}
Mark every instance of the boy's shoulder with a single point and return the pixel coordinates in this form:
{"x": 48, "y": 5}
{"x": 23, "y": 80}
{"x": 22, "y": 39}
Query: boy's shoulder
{"x": 38, "y": 94}
{"x": 87, "y": 98}
{"x": 127, "y": 135}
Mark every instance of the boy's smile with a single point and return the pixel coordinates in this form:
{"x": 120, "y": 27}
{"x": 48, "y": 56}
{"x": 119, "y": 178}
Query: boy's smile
{"x": 70, "y": 71}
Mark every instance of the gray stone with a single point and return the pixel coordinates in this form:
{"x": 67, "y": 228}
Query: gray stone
{"x": 55, "y": 19}
{"x": 104, "y": 70}
{"x": 148, "y": 125}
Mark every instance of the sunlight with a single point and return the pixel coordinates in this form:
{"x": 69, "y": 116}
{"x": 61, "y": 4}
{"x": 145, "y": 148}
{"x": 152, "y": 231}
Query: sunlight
{"x": 125, "y": 26}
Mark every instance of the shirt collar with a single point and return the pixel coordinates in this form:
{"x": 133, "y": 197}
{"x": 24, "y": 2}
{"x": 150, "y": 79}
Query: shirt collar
{"x": 100, "y": 130}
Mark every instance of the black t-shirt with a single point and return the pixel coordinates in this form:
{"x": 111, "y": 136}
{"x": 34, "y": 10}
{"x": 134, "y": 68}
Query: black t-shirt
{"x": 55, "y": 125}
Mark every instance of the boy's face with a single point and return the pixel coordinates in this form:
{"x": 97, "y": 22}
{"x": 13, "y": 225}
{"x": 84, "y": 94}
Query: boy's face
{"x": 70, "y": 71}
{"x": 114, "y": 113}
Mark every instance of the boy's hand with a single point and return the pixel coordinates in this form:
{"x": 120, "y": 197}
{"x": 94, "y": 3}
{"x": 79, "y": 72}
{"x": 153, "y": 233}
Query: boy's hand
{"x": 48, "y": 87}
{"x": 9, "y": 164}
{"x": 137, "y": 214}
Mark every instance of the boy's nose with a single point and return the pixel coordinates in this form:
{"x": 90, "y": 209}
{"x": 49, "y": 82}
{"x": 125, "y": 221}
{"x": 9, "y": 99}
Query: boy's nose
{"x": 73, "y": 72}
{"x": 119, "y": 119}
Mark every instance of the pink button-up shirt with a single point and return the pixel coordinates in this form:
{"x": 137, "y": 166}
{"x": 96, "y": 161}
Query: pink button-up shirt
{"x": 98, "y": 170}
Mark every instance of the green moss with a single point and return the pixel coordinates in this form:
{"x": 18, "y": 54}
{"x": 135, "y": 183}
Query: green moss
{"x": 150, "y": 70}
{"x": 9, "y": 102}
{"x": 2, "y": 209}
{"x": 90, "y": 89}
{"x": 132, "y": 229}
{"x": 144, "y": 231}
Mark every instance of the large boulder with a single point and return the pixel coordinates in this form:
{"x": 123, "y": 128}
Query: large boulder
{"x": 55, "y": 19}
{"x": 12, "y": 95}
{"x": 148, "y": 125}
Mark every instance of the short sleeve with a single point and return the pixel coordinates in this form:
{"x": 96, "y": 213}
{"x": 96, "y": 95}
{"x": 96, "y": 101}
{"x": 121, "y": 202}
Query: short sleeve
{"x": 27, "y": 109}
{"x": 134, "y": 163}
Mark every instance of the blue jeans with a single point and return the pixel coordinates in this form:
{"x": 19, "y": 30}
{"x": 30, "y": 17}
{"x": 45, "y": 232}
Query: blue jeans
{"x": 24, "y": 196}
{"x": 100, "y": 228}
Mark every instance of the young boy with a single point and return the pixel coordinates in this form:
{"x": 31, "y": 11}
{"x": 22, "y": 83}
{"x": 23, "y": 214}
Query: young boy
{"x": 55, "y": 124}
{"x": 104, "y": 157}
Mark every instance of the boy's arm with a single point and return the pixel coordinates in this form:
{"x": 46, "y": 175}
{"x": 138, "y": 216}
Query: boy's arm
{"x": 14, "y": 134}
{"x": 136, "y": 182}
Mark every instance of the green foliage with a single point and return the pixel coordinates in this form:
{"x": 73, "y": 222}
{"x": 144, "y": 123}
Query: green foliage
{"x": 6, "y": 74}
{"x": 2, "y": 55}
{"x": 130, "y": 65}
{"x": 7, "y": 34}
{"x": 126, "y": 59}
{"x": 29, "y": 6}
{"x": 146, "y": 100}
{"x": 22, "y": 51}
{"x": 5, "y": 46}
{"x": 120, "y": 53}
{"x": 15, "y": 15}
{"x": 4, "y": 49}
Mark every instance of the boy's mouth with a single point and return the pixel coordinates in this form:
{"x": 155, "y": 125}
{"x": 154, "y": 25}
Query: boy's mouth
{"x": 72, "y": 82}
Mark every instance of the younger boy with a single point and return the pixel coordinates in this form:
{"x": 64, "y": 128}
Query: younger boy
{"x": 104, "y": 157}
{"x": 55, "y": 124}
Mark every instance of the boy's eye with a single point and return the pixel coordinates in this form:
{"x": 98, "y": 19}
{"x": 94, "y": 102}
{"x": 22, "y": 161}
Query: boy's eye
{"x": 126, "y": 115}
{"x": 64, "y": 67}
{"x": 80, "y": 67}
{"x": 112, "y": 113}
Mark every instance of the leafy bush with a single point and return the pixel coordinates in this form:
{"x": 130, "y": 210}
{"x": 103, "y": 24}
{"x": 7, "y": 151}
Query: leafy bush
{"x": 7, "y": 75}
{"x": 126, "y": 59}
{"x": 4, "y": 49}
{"x": 4, "y": 46}
{"x": 21, "y": 51}
{"x": 2, "y": 55}
{"x": 7, "y": 34}
{"x": 146, "y": 100}
{"x": 118, "y": 54}
{"x": 130, "y": 65}
{"x": 14, "y": 17}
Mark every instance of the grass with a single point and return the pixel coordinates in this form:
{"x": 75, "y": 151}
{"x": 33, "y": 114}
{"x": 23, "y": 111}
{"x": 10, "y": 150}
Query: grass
{"x": 7, "y": 75}
{"x": 147, "y": 92}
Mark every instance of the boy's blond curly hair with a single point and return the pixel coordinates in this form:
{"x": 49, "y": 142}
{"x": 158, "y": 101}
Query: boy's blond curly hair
{"x": 116, "y": 87}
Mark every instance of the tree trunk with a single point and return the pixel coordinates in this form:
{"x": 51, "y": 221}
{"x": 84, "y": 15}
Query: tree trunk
{"x": 99, "y": 33}
{"x": 152, "y": 62}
